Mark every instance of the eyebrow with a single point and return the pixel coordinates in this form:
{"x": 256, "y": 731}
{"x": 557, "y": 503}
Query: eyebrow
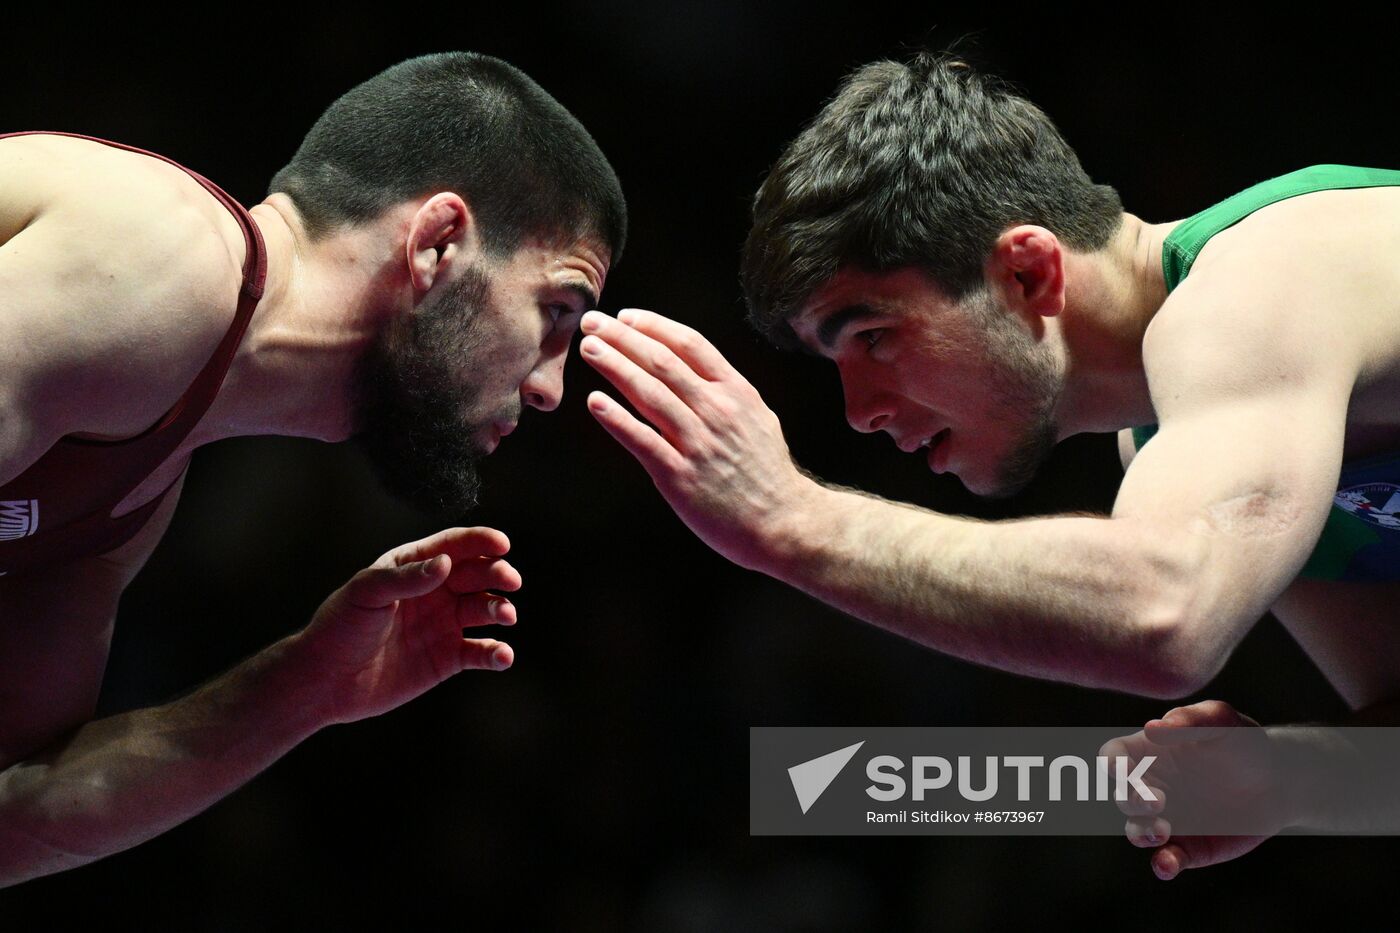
{"x": 589, "y": 296}
{"x": 830, "y": 329}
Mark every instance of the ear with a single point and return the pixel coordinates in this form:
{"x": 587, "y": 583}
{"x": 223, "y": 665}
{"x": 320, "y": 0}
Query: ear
{"x": 1027, "y": 267}
{"x": 441, "y": 232}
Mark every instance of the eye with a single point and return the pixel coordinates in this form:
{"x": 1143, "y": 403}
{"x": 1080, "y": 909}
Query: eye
{"x": 871, "y": 337}
{"x": 557, "y": 310}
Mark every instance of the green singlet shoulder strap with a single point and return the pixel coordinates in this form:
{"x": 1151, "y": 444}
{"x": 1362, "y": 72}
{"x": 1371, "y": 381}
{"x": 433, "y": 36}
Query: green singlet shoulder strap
{"x": 1184, "y": 243}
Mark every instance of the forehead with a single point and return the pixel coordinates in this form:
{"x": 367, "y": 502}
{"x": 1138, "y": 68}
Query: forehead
{"x": 540, "y": 262}
{"x": 853, "y": 295}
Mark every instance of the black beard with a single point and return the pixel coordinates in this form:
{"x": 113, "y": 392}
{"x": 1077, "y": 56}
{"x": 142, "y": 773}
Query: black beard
{"x": 410, "y": 402}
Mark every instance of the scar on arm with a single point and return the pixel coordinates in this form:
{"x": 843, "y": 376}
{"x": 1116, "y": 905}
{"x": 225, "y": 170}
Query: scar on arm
{"x": 1254, "y": 514}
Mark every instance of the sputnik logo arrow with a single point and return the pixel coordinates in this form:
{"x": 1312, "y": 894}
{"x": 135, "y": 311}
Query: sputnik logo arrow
{"x": 811, "y": 778}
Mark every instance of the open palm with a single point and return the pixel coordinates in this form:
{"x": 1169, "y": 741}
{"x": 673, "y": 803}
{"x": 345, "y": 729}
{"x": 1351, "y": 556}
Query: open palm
{"x": 396, "y": 628}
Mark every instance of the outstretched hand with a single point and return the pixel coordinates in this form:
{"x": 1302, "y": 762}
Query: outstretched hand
{"x": 396, "y": 628}
{"x": 713, "y": 448}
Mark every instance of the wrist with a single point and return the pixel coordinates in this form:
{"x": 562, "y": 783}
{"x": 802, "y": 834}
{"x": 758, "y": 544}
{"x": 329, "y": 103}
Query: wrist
{"x": 291, "y": 673}
{"x": 789, "y": 532}
{"x": 1304, "y": 759}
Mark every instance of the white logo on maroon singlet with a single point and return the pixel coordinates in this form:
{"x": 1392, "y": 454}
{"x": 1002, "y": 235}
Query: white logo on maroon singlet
{"x": 19, "y": 518}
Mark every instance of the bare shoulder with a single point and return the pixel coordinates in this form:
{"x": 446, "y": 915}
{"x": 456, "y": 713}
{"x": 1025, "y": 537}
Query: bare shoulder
{"x": 119, "y": 274}
{"x": 1293, "y": 295}
{"x": 1319, "y": 265}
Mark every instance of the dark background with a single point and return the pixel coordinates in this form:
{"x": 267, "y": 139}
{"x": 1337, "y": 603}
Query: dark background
{"x": 601, "y": 784}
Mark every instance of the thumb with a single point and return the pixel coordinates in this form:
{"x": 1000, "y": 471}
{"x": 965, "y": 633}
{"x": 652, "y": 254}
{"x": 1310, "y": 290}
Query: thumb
{"x": 380, "y": 587}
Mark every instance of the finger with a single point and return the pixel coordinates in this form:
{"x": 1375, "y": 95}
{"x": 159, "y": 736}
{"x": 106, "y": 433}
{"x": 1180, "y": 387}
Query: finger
{"x": 1204, "y": 713}
{"x": 486, "y": 654}
{"x": 477, "y": 609}
{"x": 652, "y": 450}
{"x": 1198, "y": 852}
{"x": 1176, "y": 736}
{"x": 651, "y": 354}
{"x": 1147, "y": 833}
{"x": 1134, "y": 747}
{"x": 1195, "y": 723}
{"x": 380, "y": 587}
{"x": 471, "y": 576}
{"x": 1168, "y": 861}
{"x": 687, "y": 342}
{"x": 458, "y": 543}
{"x": 1137, "y": 805}
{"x": 1124, "y": 746}
{"x": 673, "y": 418}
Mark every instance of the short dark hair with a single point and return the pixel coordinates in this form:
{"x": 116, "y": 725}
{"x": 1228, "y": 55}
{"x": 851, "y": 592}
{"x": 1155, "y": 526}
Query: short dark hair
{"x": 462, "y": 122}
{"x": 922, "y": 164}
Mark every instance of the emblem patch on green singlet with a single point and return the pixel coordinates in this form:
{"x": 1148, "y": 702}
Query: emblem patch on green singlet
{"x": 1374, "y": 503}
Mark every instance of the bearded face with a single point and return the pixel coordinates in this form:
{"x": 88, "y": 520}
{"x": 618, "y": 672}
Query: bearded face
{"x": 440, "y": 386}
{"x": 417, "y": 401}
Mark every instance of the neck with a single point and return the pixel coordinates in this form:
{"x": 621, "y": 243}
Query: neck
{"x": 322, "y": 305}
{"x": 1111, "y": 297}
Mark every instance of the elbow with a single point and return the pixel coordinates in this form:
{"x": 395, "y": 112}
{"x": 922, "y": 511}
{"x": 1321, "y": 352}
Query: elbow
{"x": 1172, "y": 669}
{"x": 1177, "y": 646}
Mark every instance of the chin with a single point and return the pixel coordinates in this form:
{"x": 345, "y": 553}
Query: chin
{"x": 1004, "y": 491}
{"x": 984, "y": 489}
{"x": 1002, "y": 483}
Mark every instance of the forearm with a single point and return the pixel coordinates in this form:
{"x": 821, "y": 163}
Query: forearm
{"x": 1340, "y": 778}
{"x": 119, "y": 781}
{"x": 1077, "y": 598}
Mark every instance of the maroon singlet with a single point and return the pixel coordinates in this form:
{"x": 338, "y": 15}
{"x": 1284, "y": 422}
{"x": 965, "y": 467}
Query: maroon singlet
{"x": 60, "y": 508}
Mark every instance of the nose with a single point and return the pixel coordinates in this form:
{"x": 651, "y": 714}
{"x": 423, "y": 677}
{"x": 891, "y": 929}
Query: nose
{"x": 867, "y": 410}
{"x": 544, "y": 387}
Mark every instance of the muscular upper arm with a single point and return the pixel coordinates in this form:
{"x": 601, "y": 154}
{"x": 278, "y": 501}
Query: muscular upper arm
{"x": 1251, "y": 396}
{"x": 55, "y": 631}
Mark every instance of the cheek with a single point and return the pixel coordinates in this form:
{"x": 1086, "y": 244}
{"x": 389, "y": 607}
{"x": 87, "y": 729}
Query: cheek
{"x": 925, "y": 381}
{"x": 507, "y": 352}
{"x": 884, "y": 366}
{"x": 514, "y": 363}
